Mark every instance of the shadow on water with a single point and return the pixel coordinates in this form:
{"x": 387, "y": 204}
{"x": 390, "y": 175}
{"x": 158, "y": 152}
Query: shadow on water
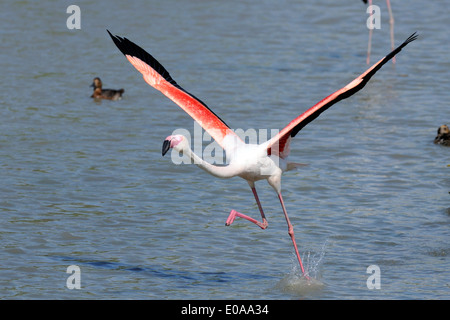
{"x": 161, "y": 272}
{"x": 292, "y": 283}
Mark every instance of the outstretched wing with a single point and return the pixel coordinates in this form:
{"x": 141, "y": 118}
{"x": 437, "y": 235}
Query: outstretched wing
{"x": 277, "y": 144}
{"x": 159, "y": 78}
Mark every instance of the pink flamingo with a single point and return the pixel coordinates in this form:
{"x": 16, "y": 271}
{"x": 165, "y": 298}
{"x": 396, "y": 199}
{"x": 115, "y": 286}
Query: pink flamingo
{"x": 248, "y": 161}
{"x": 391, "y": 27}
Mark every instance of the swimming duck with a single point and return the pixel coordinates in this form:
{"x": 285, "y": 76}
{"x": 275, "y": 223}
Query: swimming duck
{"x": 109, "y": 94}
{"x": 443, "y": 136}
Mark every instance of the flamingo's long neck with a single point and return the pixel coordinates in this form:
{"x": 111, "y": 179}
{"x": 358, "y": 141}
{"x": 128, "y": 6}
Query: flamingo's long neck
{"x": 227, "y": 171}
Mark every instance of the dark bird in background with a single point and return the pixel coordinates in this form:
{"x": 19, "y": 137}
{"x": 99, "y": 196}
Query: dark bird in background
{"x": 109, "y": 94}
{"x": 443, "y": 136}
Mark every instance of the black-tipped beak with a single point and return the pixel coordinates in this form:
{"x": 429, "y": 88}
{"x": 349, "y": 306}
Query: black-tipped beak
{"x": 165, "y": 147}
{"x": 92, "y": 85}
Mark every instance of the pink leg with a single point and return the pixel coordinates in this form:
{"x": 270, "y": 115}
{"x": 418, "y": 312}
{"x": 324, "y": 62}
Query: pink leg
{"x": 234, "y": 214}
{"x": 291, "y": 233}
{"x": 369, "y": 46}
{"x": 391, "y": 26}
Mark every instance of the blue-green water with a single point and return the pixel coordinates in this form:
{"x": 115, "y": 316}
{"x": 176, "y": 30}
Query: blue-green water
{"x": 83, "y": 183}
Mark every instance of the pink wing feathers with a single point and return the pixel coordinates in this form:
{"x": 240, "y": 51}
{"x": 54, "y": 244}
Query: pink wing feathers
{"x": 159, "y": 78}
{"x": 280, "y": 143}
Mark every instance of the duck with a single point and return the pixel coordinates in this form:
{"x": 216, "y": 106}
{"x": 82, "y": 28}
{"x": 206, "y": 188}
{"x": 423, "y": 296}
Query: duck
{"x": 109, "y": 94}
{"x": 443, "y": 136}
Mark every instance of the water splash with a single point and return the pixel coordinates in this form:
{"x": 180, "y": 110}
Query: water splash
{"x": 296, "y": 283}
{"x": 314, "y": 261}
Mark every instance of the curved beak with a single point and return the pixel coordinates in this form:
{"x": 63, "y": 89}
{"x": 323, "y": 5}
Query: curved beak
{"x": 165, "y": 147}
{"x": 92, "y": 85}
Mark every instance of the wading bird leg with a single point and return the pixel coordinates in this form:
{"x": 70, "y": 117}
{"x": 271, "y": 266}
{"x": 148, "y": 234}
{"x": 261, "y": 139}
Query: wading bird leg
{"x": 234, "y": 214}
{"x": 291, "y": 234}
{"x": 391, "y": 26}
{"x": 369, "y": 45}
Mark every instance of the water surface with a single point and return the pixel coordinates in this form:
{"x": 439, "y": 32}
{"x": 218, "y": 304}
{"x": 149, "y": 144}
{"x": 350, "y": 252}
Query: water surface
{"x": 83, "y": 182}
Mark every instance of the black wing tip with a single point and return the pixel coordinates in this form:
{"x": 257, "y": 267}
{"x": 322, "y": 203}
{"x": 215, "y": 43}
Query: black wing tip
{"x": 119, "y": 42}
{"x": 128, "y": 47}
{"x": 411, "y": 38}
{"x": 394, "y": 52}
{"x": 114, "y": 37}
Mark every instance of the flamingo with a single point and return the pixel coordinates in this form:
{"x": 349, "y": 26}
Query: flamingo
{"x": 249, "y": 161}
{"x": 391, "y": 27}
